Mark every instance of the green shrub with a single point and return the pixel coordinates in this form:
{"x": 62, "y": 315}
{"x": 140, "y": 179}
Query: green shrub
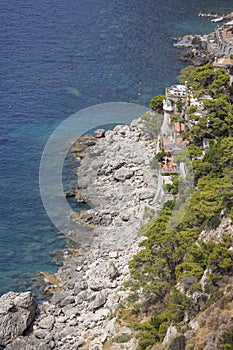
{"x": 168, "y": 187}
{"x": 122, "y": 338}
{"x": 178, "y": 305}
{"x": 188, "y": 269}
{"x": 180, "y": 105}
{"x": 195, "y": 288}
{"x": 147, "y": 335}
{"x": 191, "y": 110}
{"x": 159, "y": 156}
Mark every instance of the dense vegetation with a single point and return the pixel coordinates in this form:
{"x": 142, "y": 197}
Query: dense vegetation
{"x": 176, "y": 273}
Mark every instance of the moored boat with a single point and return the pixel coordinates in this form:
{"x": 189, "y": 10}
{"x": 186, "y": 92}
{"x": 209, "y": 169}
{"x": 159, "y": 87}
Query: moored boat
{"x": 218, "y": 19}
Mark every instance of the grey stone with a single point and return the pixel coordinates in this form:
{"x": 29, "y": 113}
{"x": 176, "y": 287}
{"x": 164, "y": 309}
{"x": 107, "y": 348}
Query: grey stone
{"x": 117, "y": 163}
{"x": 99, "y": 133}
{"x": 97, "y": 163}
{"x": 71, "y": 311}
{"x": 112, "y": 301}
{"x": 146, "y": 194}
{"x": 189, "y": 334}
{"x": 47, "y": 322}
{"x": 110, "y": 327}
{"x": 70, "y": 285}
{"x": 100, "y": 300}
{"x": 39, "y": 333}
{"x": 79, "y": 341}
{"x": 113, "y": 255}
{"x": 102, "y": 275}
{"x": 80, "y": 286}
{"x": 122, "y": 174}
{"x": 96, "y": 346}
{"x": 61, "y": 319}
{"x": 100, "y": 315}
{"x": 85, "y": 295}
{"x": 17, "y": 311}
{"x": 66, "y": 331}
{"x": 79, "y": 268}
{"x": 73, "y": 323}
{"x": 27, "y": 343}
{"x": 116, "y": 147}
{"x": 96, "y": 152}
{"x": 83, "y": 182}
{"x": 106, "y": 220}
{"x": 68, "y": 300}
{"x": 51, "y": 345}
{"x": 127, "y": 214}
{"x": 171, "y": 332}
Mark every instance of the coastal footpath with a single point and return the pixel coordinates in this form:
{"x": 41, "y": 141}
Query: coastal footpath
{"x": 116, "y": 178}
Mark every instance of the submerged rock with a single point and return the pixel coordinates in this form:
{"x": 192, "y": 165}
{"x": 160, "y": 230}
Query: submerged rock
{"x": 99, "y": 133}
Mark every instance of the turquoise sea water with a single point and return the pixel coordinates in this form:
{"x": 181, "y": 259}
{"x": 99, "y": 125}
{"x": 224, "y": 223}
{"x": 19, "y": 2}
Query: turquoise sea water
{"x": 57, "y": 58}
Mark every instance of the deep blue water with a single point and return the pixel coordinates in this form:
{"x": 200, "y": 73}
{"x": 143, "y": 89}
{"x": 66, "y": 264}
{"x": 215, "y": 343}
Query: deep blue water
{"x": 55, "y": 59}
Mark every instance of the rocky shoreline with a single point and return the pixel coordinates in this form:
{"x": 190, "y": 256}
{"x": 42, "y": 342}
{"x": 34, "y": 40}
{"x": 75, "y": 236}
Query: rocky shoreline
{"x": 116, "y": 179}
{"x": 194, "y": 49}
{"x": 201, "y": 49}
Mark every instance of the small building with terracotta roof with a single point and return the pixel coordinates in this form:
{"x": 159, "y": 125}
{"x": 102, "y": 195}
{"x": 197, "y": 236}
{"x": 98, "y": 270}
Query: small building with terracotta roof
{"x": 168, "y": 164}
{"x": 179, "y": 128}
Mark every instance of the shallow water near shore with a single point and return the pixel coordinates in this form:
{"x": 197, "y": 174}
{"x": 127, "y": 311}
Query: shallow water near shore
{"x": 56, "y": 60}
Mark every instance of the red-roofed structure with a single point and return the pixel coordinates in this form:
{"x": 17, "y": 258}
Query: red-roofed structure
{"x": 179, "y": 127}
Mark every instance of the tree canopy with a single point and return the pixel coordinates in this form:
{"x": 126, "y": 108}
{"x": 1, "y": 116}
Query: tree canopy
{"x": 156, "y": 103}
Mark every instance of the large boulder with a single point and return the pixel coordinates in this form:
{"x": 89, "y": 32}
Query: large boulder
{"x": 123, "y": 174}
{"x": 100, "y": 300}
{"x": 17, "y": 311}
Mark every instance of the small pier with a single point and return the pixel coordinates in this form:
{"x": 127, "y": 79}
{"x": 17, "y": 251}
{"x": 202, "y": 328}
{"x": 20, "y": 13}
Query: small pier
{"x": 209, "y": 15}
{"x": 228, "y": 16}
